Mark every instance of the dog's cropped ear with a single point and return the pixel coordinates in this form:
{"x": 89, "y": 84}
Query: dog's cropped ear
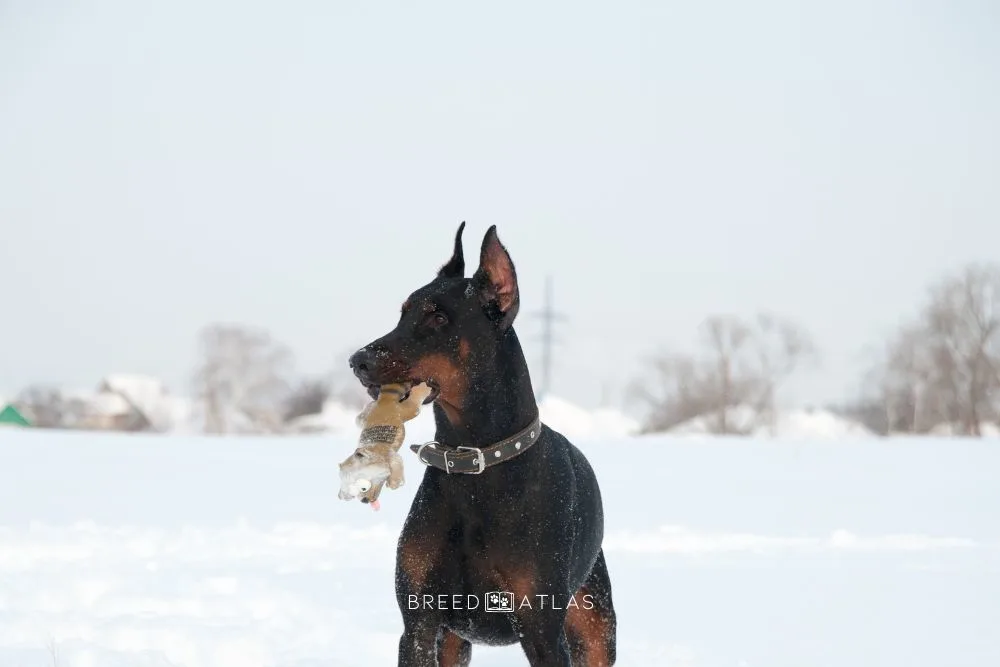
{"x": 496, "y": 280}
{"x": 455, "y": 267}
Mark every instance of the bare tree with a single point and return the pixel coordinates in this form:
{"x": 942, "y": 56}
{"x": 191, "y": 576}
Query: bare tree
{"x": 350, "y": 394}
{"x": 867, "y": 411}
{"x": 895, "y": 386}
{"x": 344, "y": 387}
{"x": 912, "y": 386}
{"x": 54, "y": 652}
{"x": 781, "y": 347}
{"x": 943, "y": 367}
{"x": 962, "y": 324}
{"x": 726, "y": 337}
{"x": 311, "y": 395}
{"x": 741, "y": 364}
{"x": 242, "y": 371}
{"x": 339, "y": 385}
{"x": 45, "y": 405}
{"x": 307, "y": 398}
{"x": 673, "y": 390}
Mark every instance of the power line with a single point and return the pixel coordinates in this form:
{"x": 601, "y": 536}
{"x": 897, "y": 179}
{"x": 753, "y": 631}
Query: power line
{"x": 549, "y": 316}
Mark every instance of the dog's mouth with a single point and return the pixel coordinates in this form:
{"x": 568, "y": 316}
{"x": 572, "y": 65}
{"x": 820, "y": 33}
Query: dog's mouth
{"x": 435, "y": 391}
{"x": 374, "y": 389}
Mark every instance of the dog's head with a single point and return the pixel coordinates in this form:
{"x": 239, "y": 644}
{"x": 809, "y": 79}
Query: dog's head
{"x": 446, "y": 327}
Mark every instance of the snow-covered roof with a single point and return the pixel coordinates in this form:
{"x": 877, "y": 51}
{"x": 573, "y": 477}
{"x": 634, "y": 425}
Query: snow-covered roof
{"x": 108, "y": 404}
{"x": 98, "y": 403}
{"x": 146, "y": 393}
{"x": 141, "y": 390}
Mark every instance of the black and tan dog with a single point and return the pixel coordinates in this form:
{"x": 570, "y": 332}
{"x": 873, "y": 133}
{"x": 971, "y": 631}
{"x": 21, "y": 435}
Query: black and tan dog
{"x": 506, "y": 504}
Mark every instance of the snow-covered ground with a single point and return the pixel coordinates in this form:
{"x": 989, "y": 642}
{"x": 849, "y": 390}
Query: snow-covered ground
{"x": 141, "y": 551}
{"x": 794, "y": 423}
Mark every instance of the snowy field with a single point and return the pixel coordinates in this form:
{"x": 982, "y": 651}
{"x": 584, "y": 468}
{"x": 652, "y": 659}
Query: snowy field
{"x": 141, "y": 551}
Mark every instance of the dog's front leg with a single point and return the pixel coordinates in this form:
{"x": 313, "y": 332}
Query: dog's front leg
{"x": 453, "y": 651}
{"x": 543, "y": 637}
{"x": 418, "y": 643}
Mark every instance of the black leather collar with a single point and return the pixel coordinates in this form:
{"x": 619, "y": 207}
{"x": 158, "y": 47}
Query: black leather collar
{"x": 474, "y": 460}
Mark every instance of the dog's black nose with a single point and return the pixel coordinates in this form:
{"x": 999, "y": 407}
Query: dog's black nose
{"x": 362, "y": 361}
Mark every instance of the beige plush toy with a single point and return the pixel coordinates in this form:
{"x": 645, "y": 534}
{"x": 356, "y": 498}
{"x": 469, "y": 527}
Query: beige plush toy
{"x": 376, "y": 461}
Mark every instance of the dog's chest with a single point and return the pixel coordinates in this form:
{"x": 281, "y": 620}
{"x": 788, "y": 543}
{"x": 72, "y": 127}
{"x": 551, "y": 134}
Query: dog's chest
{"x": 492, "y": 535}
{"x": 485, "y": 556}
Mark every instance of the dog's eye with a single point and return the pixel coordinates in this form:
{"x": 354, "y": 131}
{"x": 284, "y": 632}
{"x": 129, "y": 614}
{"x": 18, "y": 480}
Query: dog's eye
{"x": 437, "y": 319}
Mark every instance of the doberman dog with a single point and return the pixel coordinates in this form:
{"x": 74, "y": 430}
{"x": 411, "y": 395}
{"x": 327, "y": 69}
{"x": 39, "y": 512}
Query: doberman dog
{"x": 503, "y": 541}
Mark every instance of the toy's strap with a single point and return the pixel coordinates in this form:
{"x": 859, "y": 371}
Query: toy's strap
{"x": 380, "y": 433}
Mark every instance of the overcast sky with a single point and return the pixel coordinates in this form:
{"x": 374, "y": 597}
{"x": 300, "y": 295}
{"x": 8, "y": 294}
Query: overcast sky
{"x": 303, "y": 167}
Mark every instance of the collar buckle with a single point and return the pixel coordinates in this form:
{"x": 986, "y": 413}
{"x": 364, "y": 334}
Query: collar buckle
{"x": 480, "y": 459}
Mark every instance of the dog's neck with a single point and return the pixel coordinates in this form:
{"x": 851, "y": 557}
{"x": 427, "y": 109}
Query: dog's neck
{"x": 499, "y": 402}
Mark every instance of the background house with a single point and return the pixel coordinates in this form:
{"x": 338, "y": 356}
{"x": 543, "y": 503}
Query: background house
{"x": 108, "y": 410}
{"x": 124, "y": 402}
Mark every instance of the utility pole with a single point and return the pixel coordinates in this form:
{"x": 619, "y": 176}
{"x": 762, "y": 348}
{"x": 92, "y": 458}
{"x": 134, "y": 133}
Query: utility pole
{"x": 605, "y": 394}
{"x": 549, "y": 316}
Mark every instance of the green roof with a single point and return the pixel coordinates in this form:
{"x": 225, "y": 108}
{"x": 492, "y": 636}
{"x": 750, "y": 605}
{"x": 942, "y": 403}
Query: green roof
{"x": 10, "y": 415}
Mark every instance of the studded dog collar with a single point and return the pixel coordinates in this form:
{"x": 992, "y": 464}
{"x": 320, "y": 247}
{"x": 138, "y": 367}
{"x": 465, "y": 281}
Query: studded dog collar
{"x": 474, "y": 460}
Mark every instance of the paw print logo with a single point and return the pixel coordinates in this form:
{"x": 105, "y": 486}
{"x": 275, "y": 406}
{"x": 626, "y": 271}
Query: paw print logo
{"x": 499, "y": 601}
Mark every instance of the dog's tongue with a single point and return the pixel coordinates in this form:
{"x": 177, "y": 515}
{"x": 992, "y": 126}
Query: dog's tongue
{"x": 375, "y": 505}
